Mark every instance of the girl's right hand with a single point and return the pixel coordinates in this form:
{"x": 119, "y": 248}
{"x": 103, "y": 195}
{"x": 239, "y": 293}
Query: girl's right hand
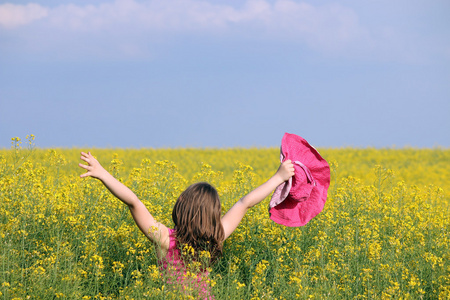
{"x": 286, "y": 170}
{"x": 94, "y": 168}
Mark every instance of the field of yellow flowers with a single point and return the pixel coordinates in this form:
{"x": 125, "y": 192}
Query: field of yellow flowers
{"x": 383, "y": 234}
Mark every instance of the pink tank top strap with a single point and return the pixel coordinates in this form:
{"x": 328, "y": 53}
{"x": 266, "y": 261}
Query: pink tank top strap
{"x": 172, "y": 239}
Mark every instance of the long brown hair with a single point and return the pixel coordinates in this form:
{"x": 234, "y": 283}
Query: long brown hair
{"x": 196, "y": 215}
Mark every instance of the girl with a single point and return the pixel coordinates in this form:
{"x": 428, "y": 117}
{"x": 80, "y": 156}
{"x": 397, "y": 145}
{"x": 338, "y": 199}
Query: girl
{"x": 199, "y": 227}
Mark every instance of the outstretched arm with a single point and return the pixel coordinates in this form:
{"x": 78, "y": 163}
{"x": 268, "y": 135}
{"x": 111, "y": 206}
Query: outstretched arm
{"x": 233, "y": 217}
{"x": 144, "y": 220}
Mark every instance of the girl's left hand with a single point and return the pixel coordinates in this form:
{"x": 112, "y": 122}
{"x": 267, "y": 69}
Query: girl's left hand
{"x": 94, "y": 168}
{"x": 286, "y": 170}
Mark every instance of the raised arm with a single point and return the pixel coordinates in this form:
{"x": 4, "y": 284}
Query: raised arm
{"x": 233, "y": 217}
{"x": 144, "y": 220}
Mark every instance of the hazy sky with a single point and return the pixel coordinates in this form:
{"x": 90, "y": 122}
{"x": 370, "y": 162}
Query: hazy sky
{"x": 159, "y": 73}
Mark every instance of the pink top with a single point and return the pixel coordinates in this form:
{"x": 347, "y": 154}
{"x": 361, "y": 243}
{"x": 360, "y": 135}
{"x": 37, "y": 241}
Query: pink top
{"x": 180, "y": 279}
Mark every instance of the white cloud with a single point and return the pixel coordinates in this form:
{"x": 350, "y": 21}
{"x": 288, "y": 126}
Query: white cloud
{"x": 329, "y": 28}
{"x": 12, "y": 15}
{"x": 187, "y": 15}
{"x": 160, "y": 15}
{"x": 320, "y": 26}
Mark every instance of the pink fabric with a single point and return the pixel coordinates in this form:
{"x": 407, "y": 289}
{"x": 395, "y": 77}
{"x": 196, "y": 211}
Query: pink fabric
{"x": 297, "y": 201}
{"x": 174, "y": 272}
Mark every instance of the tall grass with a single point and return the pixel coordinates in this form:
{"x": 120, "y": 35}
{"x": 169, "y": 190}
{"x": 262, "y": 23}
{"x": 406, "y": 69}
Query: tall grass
{"x": 383, "y": 233}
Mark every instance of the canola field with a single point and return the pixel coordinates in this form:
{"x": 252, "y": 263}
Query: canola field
{"x": 383, "y": 234}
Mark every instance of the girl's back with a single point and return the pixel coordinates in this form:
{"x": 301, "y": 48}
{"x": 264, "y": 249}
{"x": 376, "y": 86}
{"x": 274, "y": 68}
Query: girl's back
{"x": 183, "y": 274}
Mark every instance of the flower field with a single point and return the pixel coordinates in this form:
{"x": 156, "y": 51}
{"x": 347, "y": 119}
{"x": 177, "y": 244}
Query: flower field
{"x": 384, "y": 232}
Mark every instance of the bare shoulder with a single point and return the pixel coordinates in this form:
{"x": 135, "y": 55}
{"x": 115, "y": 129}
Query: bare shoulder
{"x": 159, "y": 235}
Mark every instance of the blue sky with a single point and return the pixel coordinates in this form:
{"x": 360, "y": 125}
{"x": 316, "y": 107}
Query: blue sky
{"x": 189, "y": 73}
